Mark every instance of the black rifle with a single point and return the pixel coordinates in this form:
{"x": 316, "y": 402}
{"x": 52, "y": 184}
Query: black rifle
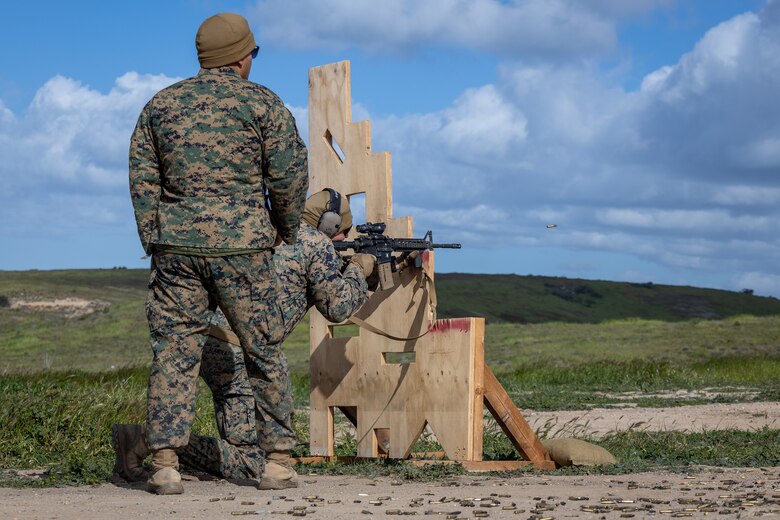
{"x": 373, "y": 241}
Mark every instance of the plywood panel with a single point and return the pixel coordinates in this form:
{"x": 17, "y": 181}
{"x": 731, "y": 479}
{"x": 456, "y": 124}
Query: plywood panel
{"x": 444, "y": 384}
{"x": 361, "y": 170}
{"x": 436, "y": 389}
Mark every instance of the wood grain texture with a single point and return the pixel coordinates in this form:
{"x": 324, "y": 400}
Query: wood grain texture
{"x": 446, "y": 382}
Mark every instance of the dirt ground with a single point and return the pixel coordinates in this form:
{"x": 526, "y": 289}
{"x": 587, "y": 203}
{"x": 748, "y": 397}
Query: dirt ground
{"x": 69, "y": 307}
{"x": 598, "y": 422}
{"x": 701, "y": 492}
{"x": 729, "y": 493}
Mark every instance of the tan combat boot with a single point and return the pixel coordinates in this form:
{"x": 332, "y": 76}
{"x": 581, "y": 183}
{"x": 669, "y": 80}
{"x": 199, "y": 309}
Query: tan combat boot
{"x": 128, "y": 441}
{"x": 165, "y": 479}
{"x": 279, "y": 473}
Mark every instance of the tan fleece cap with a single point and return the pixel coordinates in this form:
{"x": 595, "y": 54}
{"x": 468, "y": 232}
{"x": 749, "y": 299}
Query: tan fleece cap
{"x": 316, "y": 205}
{"x": 223, "y": 39}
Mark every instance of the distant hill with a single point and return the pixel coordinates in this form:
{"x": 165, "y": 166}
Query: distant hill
{"x": 94, "y": 319}
{"x": 498, "y": 298}
{"x": 536, "y": 299}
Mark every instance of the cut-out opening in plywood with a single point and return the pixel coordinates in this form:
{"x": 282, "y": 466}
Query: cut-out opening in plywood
{"x": 382, "y": 440}
{"x": 399, "y": 358}
{"x": 334, "y": 147}
{"x": 357, "y": 205}
{"x": 347, "y": 330}
{"x": 343, "y": 425}
{"x": 427, "y": 445}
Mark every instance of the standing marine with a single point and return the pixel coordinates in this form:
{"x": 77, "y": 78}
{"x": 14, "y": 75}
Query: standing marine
{"x": 312, "y": 274}
{"x": 218, "y": 176}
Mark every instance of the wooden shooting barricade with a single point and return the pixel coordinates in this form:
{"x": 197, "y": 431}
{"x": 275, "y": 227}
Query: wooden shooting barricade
{"x": 405, "y": 369}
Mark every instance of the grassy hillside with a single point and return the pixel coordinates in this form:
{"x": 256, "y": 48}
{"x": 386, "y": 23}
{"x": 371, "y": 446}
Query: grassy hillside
{"x": 115, "y": 334}
{"x": 499, "y": 298}
{"x": 531, "y": 320}
{"x": 537, "y": 299}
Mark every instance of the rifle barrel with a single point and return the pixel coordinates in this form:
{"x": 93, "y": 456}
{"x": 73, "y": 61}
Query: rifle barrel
{"x": 412, "y": 244}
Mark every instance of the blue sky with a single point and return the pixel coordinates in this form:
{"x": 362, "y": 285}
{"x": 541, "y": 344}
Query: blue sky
{"x": 648, "y": 131}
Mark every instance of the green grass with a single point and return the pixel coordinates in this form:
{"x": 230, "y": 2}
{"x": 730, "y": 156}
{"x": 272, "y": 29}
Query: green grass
{"x": 62, "y": 420}
{"x": 639, "y": 451}
{"x": 601, "y": 383}
{"x": 572, "y": 345}
{"x": 508, "y": 345}
{"x": 114, "y": 338}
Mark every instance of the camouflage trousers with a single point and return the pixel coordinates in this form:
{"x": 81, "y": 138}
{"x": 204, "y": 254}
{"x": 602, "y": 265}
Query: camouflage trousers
{"x": 240, "y": 451}
{"x": 245, "y": 417}
{"x": 183, "y": 292}
{"x": 222, "y": 459}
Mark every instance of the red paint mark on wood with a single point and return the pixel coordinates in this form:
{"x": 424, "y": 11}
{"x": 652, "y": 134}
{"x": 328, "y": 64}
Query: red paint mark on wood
{"x": 456, "y": 324}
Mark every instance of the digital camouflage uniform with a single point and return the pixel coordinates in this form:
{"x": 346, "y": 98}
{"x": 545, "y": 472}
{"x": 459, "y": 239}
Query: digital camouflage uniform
{"x": 310, "y": 275}
{"x": 203, "y": 154}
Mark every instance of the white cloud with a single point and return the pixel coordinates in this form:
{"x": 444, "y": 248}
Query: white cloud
{"x": 602, "y": 164}
{"x": 701, "y": 221}
{"x": 480, "y": 218}
{"x": 83, "y": 134}
{"x": 763, "y": 153}
{"x": 762, "y": 283}
{"x": 301, "y": 115}
{"x": 527, "y": 28}
{"x": 621, "y": 8}
{"x": 65, "y": 160}
{"x": 719, "y": 57}
{"x": 740, "y": 195}
{"x": 6, "y": 116}
{"x": 656, "y": 79}
{"x": 481, "y": 122}
{"x": 58, "y": 213}
{"x": 714, "y": 114}
{"x": 566, "y": 105}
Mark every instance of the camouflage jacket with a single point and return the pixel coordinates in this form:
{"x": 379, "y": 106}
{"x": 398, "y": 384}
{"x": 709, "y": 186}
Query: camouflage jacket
{"x": 309, "y": 274}
{"x": 202, "y": 155}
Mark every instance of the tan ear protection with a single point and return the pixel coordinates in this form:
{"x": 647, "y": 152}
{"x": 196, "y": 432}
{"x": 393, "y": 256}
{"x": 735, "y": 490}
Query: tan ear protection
{"x": 330, "y": 220}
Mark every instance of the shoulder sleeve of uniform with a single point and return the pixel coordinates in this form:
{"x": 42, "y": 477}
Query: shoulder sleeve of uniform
{"x": 335, "y": 294}
{"x": 144, "y": 169}
{"x": 285, "y": 167}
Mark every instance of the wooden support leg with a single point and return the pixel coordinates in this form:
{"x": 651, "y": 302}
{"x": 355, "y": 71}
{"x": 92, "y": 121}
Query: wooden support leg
{"x": 514, "y": 424}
